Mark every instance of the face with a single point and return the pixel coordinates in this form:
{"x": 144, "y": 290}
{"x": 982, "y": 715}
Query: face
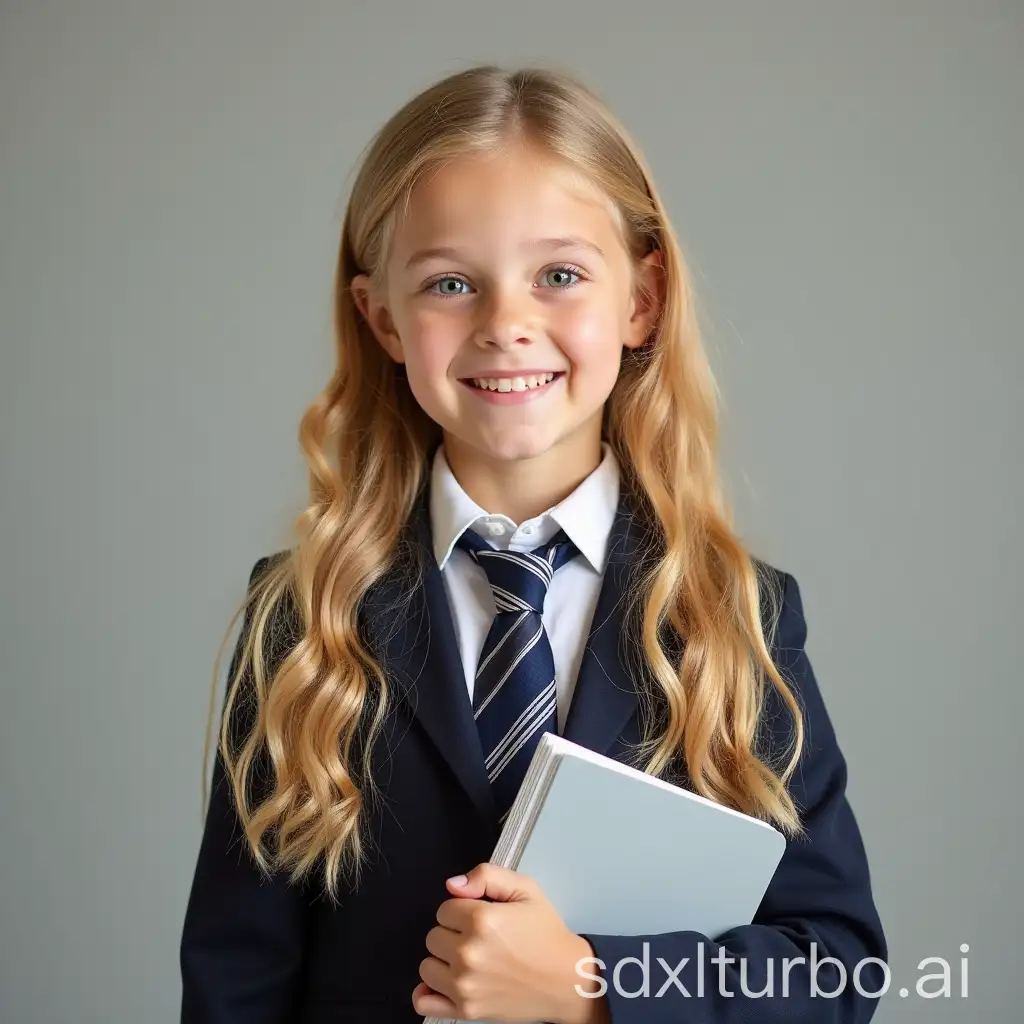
{"x": 509, "y": 295}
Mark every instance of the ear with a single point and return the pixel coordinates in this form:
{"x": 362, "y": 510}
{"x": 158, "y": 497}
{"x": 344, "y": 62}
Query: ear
{"x": 648, "y": 299}
{"x": 374, "y": 311}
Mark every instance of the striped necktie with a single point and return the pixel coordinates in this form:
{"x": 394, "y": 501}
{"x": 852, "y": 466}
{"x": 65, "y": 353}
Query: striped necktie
{"x": 514, "y": 692}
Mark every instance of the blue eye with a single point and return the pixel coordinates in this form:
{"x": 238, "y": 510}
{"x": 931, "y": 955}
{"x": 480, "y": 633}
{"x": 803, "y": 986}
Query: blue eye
{"x": 558, "y": 277}
{"x": 449, "y": 286}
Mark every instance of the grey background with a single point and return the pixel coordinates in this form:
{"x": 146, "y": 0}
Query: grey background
{"x": 846, "y": 181}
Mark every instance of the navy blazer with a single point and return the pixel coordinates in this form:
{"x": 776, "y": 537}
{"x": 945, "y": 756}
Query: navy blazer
{"x": 266, "y": 952}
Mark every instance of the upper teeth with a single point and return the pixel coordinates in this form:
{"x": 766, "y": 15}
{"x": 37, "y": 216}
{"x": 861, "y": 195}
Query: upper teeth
{"x": 512, "y": 383}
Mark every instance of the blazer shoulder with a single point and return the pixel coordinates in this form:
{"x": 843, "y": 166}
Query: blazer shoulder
{"x": 781, "y": 608}
{"x": 786, "y": 638}
{"x": 265, "y": 563}
{"x": 283, "y": 626}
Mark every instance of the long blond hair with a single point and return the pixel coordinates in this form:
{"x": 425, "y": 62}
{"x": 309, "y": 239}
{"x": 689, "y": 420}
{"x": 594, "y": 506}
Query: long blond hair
{"x": 306, "y": 699}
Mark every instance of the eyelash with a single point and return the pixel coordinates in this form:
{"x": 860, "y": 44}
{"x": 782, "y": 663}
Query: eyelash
{"x": 569, "y": 268}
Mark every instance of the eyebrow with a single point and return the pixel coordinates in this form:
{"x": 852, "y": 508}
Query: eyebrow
{"x": 544, "y": 244}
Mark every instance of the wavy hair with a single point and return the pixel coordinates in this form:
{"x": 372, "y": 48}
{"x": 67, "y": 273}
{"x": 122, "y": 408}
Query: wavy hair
{"x": 306, "y": 699}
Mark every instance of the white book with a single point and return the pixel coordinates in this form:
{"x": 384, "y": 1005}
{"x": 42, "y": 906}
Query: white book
{"x": 619, "y": 852}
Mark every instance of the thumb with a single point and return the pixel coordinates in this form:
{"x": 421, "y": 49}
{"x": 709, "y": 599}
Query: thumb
{"x": 488, "y": 881}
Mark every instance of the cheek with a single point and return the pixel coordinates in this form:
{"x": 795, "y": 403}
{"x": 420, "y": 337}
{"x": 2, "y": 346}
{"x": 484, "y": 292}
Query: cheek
{"x": 589, "y": 335}
{"x": 429, "y": 341}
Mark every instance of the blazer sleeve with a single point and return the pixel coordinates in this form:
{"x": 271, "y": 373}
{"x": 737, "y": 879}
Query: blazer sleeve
{"x": 818, "y": 909}
{"x": 243, "y": 938}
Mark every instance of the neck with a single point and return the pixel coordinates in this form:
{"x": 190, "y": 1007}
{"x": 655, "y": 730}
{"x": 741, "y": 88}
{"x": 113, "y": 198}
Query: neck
{"x": 524, "y": 488}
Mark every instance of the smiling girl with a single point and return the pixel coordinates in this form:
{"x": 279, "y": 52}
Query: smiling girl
{"x": 515, "y": 525}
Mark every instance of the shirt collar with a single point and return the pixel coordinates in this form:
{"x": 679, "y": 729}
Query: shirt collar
{"x": 586, "y": 515}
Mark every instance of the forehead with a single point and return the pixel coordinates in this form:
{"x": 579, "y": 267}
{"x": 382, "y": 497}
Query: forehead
{"x": 517, "y": 192}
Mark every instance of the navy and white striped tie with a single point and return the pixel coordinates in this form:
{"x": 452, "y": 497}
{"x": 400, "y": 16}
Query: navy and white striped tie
{"x": 514, "y": 693}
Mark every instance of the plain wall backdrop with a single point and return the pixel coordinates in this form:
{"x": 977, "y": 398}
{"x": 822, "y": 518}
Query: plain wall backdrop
{"x": 846, "y": 182}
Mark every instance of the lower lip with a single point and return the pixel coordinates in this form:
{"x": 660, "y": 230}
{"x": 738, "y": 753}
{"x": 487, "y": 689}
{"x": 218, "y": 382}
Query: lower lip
{"x": 512, "y": 397}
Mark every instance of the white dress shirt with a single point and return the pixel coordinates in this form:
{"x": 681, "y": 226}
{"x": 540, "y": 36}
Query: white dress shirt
{"x": 586, "y": 515}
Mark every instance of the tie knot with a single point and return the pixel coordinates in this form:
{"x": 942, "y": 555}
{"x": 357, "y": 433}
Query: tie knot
{"x": 519, "y": 579}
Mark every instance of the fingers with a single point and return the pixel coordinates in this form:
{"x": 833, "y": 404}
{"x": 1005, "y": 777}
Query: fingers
{"x": 442, "y": 942}
{"x": 428, "y": 1003}
{"x": 466, "y": 916}
{"x": 488, "y": 881}
{"x": 438, "y": 976}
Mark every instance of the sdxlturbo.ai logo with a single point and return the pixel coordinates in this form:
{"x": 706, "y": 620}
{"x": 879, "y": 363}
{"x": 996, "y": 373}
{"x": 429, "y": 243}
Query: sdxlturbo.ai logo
{"x": 826, "y": 976}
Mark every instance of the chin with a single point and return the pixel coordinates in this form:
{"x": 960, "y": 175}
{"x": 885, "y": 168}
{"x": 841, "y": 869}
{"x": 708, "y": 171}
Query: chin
{"x": 512, "y": 449}
{"x": 517, "y": 451}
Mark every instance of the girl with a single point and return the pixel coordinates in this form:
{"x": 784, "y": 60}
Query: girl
{"x": 514, "y": 525}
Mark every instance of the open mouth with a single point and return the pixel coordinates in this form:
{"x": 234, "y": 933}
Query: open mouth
{"x": 531, "y": 382}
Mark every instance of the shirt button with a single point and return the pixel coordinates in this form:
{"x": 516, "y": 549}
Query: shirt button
{"x": 527, "y": 529}
{"x": 495, "y": 529}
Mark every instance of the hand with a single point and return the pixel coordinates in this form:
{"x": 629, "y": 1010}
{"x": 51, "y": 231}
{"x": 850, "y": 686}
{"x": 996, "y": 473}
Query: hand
{"x": 513, "y": 959}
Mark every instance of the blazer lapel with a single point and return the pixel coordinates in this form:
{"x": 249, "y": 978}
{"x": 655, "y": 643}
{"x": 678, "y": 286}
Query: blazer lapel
{"x": 414, "y": 637}
{"x": 605, "y": 696}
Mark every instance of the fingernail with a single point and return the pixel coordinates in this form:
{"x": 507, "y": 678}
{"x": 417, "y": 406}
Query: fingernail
{"x": 458, "y": 881}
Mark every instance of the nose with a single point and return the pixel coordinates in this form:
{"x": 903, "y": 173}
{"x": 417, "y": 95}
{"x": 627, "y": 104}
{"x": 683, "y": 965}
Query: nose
{"x": 506, "y": 320}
